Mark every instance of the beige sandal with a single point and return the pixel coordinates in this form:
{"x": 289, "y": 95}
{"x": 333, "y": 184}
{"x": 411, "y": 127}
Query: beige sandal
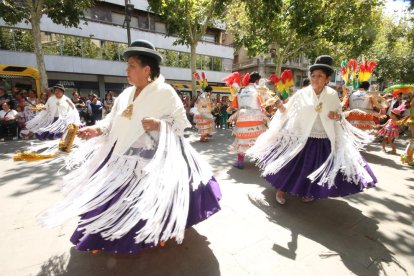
{"x": 280, "y": 197}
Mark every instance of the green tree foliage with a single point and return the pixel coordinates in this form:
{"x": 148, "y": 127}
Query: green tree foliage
{"x": 188, "y": 21}
{"x": 110, "y": 50}
{"x": 91, "y": 48}
{"x": 16, "y": 40}
{"x": 394, "y": 52}
{"x": 64, "y": 12}
{"x": 6, "y": 39}
{"x": 289, "y": 28}
{"x": 71, "y": 46}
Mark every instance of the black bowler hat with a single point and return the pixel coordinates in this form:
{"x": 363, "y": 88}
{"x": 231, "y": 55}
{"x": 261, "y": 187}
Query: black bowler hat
{"x": 59, "y": 86}
{"x": 142, "y": 47}
{"x": 323, "y": 62}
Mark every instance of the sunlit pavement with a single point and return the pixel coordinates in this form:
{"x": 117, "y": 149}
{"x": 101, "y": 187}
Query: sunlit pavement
{"x": 369, "y": 233}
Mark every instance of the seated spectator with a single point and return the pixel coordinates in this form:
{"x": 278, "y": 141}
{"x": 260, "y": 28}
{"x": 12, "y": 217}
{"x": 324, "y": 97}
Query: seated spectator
{"x": 80, "y": 105}
{"x": 31, "y": 98}
{"x": 43, "y": 98}
{"x": 96, "y": 108}
{"x": 8, "y": 122}
{"x": 108, "y": 103}
{"x": 13, "y": 96}
{"x": 4, "y": 97}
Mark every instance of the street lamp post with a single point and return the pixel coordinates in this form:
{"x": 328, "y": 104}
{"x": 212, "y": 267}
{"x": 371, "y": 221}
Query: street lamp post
{"x": 128, "y": 11}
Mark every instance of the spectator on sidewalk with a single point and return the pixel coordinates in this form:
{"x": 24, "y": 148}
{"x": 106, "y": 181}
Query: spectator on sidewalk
{"x": 8, "y": 122}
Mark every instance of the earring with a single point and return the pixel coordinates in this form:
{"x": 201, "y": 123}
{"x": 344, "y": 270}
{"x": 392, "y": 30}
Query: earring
{"x": 149, "y": 79}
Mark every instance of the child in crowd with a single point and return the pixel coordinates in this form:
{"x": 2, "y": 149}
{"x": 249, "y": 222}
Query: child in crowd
{"x": 390, "y": 129}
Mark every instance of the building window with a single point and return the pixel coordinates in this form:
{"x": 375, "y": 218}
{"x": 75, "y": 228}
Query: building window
{"x": 71, "y": 46}
{"x": 171, "y": 58}
{"x": 23, "y": 40}
{"x": 227, "y": 65}
{"x": 121, "y": 49}
{"x": 118, "y": 18}
{"x": 91, "y": 48}
{"x": 217, "y": 64}
{"x": 50, "y": 43}
{"x": 199, "y": 62}
{"x": 99, "y": 14}
{"x": 6, "y": 39}
{"x": 143, "y": 22}
{"x": 110, "y": 50}
{"x": 163, "y": 54}
{"x": 88, "y": 47}
{"x": 209, "y": 38}
{"x": 160, "y": 27}
{"x": 184, "y": 60}
{"x": 207, "y": 63}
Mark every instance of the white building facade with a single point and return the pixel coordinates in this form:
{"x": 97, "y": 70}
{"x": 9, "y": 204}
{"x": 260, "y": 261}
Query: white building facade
{"x": 89, "y": 58}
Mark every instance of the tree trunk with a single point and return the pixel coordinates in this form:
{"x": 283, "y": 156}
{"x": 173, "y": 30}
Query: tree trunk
{"x": 35, "y": 21}
{"x": 278, "y": 63}
{"x": 193, "y": 68}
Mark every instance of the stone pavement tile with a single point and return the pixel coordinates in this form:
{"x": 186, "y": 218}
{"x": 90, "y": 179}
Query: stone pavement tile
{"x": 228, "y": 263}
{"x": 269, "y": 258}
{"x": 193, "y": 257}
{"x": 235, "y": 233}
{"x": 327, "y": 263}
{"x": 31, "y": 246}
{"x": 260, "y": 259}
{"x": 330, "y": 262}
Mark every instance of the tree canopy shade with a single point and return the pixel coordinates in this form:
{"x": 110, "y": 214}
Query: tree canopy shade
{"x": 289, "y": 28}
{"x": 64, "y": 12}
{"x": 188, "y": 21}
{"x": 394, "y": 52}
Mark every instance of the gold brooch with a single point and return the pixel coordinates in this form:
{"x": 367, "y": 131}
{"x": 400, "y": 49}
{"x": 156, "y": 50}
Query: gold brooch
{"x": 128, "y": 111}
{"x": 318, "y": 108}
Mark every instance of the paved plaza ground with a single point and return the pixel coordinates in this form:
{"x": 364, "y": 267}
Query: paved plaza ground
{"x": 370, "y": 233}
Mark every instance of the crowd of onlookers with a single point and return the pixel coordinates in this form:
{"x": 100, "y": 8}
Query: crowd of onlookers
{"x": 19, "y": 106}
{"x": 92, "y": 108}
{"x": 218, "y": 109}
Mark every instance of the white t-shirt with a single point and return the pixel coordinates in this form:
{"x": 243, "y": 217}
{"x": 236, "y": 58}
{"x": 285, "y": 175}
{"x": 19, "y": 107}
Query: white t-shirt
{"x": 11, "y": 114}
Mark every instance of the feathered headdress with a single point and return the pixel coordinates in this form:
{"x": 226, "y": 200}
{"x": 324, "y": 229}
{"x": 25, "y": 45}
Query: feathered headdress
{"x": 283, "y": 83}
{"x": 202, "y": 81}
{"x": 234, "y": 82}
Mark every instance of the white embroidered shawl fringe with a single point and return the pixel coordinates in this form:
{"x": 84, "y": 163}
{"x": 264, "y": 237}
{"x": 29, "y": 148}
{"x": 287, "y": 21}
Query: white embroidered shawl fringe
{"x": 284, "y": 140}
{"x": 155, "y": 191}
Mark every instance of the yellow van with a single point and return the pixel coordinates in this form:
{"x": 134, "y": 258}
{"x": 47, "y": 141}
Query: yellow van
{"x": 23, "y": 77}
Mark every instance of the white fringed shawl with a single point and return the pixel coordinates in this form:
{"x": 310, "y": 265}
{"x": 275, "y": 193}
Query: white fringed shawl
{"x": 155, "y": 190}
{"x": 289, "y": 131}
{"x": 54, "y": 107}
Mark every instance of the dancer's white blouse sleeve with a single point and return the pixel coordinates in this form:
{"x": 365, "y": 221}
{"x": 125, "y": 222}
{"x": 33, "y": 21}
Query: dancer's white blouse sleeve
{"x": 177, "y": 118}
{"x": 105, "y": 124}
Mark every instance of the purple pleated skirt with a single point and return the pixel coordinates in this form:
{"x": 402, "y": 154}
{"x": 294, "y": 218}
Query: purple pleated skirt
{"x": 293, "y": 177}
{"x": 49, "y": 135}
{"x": 204, "y": 202}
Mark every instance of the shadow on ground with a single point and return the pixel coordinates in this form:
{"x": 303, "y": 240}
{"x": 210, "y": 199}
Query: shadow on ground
{"x": 342, "y": 229}
{"x": 193, "y": 257}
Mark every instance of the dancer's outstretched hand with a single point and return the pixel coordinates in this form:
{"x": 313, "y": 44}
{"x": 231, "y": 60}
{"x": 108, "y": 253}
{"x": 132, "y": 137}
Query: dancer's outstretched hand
{"x": 88, "y": 132}
{"x": 151, "y": 124}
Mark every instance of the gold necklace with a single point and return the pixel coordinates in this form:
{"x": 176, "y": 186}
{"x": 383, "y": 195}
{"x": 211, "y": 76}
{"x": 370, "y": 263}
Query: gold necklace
{"x": 318, "y": 107}
{"x": 127, "y": 113}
